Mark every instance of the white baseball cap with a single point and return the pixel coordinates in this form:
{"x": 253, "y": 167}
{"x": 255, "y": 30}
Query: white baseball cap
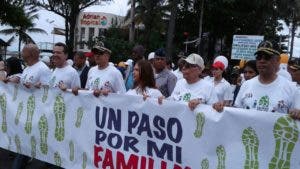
{"x": 151, "y": 55}
{"x": 196, "y": 60}
{"x": 221, "y": 60}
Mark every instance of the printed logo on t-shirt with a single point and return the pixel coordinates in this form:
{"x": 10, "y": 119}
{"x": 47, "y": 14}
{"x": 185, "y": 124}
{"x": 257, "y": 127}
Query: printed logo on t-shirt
{"x": 96, "y": 83}
{"x": 281, "y": 107}
{"x": 29, "y": 80}
{"x": 186, "y": 97}
{"x": 263, "y": 103}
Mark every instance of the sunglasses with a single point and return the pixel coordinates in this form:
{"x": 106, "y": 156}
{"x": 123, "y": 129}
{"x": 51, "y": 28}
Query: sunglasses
{"x": 265, "y": 57}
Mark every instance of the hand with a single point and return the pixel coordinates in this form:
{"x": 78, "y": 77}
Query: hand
{"x": 105, "y": 92}
{"x": 219, "y": 106}
{"x": 75, "y": 91}
{"x": 160, "y": 99}
{"x": 295, "y": 114}
{"x": 27, "y": 85}
{"x": 38, "y": 85}
{"x": 194, "y": 103}
{"x": 97, "y": 92}
{"x": 62, "y": 86}
{"x": 14, "y": 79}
{"x": 145, "y": 96}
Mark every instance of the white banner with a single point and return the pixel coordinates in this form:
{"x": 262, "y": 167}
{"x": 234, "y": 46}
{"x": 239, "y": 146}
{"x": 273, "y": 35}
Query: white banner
{"x": 120, "y": 131}
{"x": 244, "y": 46}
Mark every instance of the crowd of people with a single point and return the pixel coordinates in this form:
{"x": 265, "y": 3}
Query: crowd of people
{"x": 261, "y": 84}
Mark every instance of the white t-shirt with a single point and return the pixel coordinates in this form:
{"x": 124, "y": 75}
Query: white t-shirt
{"x": 66, "y": 75}
{"x": 37, "y": 73}
{"x": 222, "y": 89}
{"x": 198, "y": 90}
{"x": 108, "y": 78}
{"x": 151, "y": 92}
{"x": 278, "y": 96}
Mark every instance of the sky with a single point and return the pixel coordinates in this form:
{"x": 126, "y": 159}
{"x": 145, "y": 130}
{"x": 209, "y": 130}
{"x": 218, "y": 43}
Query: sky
{"x": 48, "y": 20}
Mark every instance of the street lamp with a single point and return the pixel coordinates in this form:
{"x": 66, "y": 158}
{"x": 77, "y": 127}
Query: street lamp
{"x": 51, "y": 22}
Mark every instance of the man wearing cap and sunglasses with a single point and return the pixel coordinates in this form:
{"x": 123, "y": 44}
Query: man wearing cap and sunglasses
{"x": 104, "y": 78}
{"x": 268, "y": 91}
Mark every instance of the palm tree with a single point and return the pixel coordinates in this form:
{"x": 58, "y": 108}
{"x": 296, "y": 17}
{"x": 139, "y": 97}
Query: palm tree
{"x": 23, "y": 30}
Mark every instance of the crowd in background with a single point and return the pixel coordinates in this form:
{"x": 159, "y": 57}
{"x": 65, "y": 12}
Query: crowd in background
{"x": 270, "y": 83}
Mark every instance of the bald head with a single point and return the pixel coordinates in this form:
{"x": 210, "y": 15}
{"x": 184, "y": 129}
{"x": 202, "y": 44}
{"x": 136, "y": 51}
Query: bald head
{"x": 30, "y": 54}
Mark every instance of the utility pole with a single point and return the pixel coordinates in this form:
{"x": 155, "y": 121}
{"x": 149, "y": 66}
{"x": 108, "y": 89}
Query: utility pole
{"x": 132, "y": 23}
{"x": 200, "y": 25}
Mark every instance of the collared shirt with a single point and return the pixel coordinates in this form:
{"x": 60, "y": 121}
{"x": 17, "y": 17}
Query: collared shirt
{"x": 165, "y": 82}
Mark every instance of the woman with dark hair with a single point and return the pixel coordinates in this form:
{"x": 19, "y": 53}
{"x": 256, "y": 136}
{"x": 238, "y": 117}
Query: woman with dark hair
{"x": 144, "y": 82}
{"x": 13, "y": 67}
{"x": 250, "y": 70}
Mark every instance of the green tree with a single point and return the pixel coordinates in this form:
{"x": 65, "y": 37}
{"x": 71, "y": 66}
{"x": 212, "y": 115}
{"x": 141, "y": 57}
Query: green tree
{"x": 12, "y": 13}
{"x": 22, "y": 30}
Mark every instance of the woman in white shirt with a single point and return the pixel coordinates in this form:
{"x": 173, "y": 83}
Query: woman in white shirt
{"x": 144, "y": 82}
{"x": 221, "y": 86}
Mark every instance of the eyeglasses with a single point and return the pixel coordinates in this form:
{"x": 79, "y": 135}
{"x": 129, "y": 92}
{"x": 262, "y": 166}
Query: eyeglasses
{"x": 265, "y": 57}
{"x": 188, "y": 65}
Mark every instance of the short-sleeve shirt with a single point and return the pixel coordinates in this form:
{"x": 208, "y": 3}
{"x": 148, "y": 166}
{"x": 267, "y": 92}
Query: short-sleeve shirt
{"x": 201, "y": 89}
{"x": 66, "y": 75}
{"x": 36, "y": 73}
{"x": 108, "y": 78}
{"x": 151, "y": 92}
{"x": 278, "y": 96}
{"x": 222, "y": 89}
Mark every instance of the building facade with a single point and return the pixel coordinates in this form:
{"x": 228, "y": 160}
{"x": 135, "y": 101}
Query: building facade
{"x": 91, "y": 25}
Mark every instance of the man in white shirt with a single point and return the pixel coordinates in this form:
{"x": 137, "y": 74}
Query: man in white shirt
{"x": 64, "y": 76}
{"x": 104, "y": 78}
{"x": 36, "y": 73}
{"x": 267, "y": 91}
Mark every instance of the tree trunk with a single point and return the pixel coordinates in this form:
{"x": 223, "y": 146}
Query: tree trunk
{"x": 132, "y": 23}
{"x": 19, "y": 46}
{"x": 171, "y": 28}
{"x": 294, "y": 26}
{"x": 72, "y": 34}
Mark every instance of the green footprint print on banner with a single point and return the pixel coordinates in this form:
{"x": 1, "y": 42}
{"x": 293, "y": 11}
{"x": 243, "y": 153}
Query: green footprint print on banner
{"x": 251, "y": 143}
{"x": 45, "y": 93}
{"x": 205, "y": 164}
{"x": 33, "y": 147}
{"x": 59, "y": 111}
{"x": 19, "y": 111}
{"x": 221, "y": 157}
{"x": 57, "y": 159}
{"x": 3, "y": 109}
{"x": 79, "y": 117}
{"x": 16, "y": 88}
{"x": 72, "y": 151}
{"x": 200, "y": 118}
{"x": 30, "y": 111}
{"x": 84, "y": 160}
{"x": 286, "y": 135}
{"x": 18, "y": 144}
{"x": 43, "y": 127}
